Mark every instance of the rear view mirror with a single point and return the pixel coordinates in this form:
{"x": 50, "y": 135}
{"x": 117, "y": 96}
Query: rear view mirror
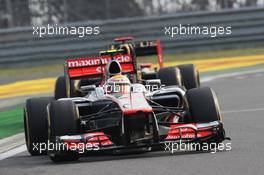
{"x": 88, "y": 88}
{"x": 153, "y": 82}
{"x": 153, "y": 85}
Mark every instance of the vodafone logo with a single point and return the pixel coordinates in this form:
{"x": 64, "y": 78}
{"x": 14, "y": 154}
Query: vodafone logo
{"x": 83, "y": 62}
{"x": 184, "y": 136}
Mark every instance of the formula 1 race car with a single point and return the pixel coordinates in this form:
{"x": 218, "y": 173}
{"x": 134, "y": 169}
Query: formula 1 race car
{"x": 119, "y": 114}
{"x": 183, "y": 75}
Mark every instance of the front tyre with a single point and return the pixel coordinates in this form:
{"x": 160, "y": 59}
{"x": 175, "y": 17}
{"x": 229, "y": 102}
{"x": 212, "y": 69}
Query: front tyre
{"x": 203, "y": 105}
{"x": 35, "y": 124}
{"x": 63, "y": 120}
{"x": 204, "y": 108}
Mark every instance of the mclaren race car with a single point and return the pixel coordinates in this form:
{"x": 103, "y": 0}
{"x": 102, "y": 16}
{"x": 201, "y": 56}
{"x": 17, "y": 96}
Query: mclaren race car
{"x": 119, "y": 113}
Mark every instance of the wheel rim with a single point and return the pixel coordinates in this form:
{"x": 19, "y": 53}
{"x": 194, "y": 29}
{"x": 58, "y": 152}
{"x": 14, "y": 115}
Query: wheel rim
{"x": 217, "y": 105}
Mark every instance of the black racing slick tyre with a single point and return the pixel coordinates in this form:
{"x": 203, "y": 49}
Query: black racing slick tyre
{"x": 35, "y": 124}
{"x": 203, "y": 105}
{"x": 170, "y": 76}
{"x": 60, "y": 88}
{"x": 190, "y": 76}
{"x": 63, "y": 120}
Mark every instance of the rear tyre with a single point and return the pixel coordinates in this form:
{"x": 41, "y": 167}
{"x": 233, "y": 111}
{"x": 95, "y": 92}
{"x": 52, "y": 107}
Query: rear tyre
{"x": 203, "y": 105}
{"x": 60, "y": 88}
{"x": 35, "y": 124}
{"x": 63, "y": 120}
{"x": 190, "y": 76}
{"x": 148, "y": 75}
{"x": 170, "y": 76}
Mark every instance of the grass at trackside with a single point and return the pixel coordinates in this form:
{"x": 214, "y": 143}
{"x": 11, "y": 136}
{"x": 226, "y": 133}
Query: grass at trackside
{"x": 11, "y": 122}
{"x": 58, "y": 68}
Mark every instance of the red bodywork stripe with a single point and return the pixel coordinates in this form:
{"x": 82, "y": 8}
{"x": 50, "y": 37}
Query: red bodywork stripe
{"x": 124, "y": 38}
{"x": 185, "y": 131}
{"x": 160, "y": 54}
{"x": 96, "y": 138}
{"x": 134, "y": 111}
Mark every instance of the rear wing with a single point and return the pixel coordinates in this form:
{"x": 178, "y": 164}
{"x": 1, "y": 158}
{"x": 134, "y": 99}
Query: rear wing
{"x": 94, "y": 67}
{"x": 142, "y": 48}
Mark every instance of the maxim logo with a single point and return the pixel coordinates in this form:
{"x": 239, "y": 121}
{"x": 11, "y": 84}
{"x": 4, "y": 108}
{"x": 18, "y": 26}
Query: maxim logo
{"x": 84, "y": 62}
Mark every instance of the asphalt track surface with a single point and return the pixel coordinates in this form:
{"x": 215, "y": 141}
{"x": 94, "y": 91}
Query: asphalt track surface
{"x": 242, "y": 100}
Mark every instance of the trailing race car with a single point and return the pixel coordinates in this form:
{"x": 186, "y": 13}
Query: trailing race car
{"x": 120, "y": 114}
{"x": 183, "y": 75}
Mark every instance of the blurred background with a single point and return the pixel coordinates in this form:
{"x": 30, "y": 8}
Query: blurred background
{"x": 16, "y": 13}
{"x": 143, "y": 19}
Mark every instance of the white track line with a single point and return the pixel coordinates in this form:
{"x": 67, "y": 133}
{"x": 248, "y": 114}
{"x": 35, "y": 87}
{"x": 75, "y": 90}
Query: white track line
{"x": 243, "y": 110}
{"x": 227, "y": 75}
{"x": 13, "y": 152}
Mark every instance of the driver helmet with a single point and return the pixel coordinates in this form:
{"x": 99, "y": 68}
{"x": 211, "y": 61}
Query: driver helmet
{"x": 118, "y": 84}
